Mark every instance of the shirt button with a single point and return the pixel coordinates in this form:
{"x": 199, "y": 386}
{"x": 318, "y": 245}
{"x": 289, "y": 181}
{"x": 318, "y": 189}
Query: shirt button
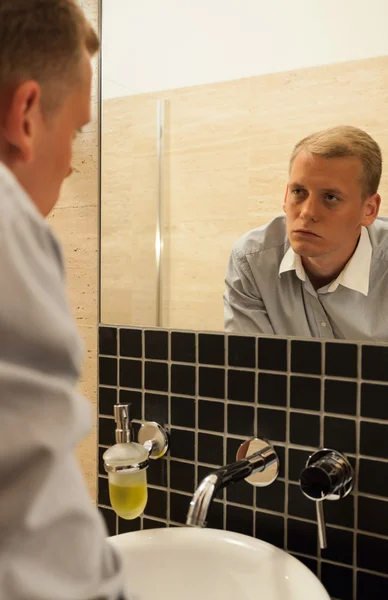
{"x": 323, "y": 323}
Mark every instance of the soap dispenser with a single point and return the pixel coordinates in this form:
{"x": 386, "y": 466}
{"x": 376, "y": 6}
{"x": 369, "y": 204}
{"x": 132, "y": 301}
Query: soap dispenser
{"x": 127, "y": 461}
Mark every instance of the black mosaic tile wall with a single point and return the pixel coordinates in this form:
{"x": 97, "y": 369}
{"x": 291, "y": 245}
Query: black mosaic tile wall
{"x": 213, "y": 391}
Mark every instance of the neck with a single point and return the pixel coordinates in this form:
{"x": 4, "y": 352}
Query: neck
{"x": 324, "y": 269}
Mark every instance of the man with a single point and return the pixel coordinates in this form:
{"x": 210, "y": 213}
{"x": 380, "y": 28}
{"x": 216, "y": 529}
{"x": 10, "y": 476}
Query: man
{"x": 322, "y": 269}
{"x": 52, "y": 541}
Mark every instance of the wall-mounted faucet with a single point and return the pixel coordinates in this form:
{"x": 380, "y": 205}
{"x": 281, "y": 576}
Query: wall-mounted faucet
{"x": 328, "y": 476}
{"x": 257, "y": 462}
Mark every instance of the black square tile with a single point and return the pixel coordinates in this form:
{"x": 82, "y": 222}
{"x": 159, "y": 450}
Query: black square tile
{"x": 374, "y": 401}
{"x": 240, "y": 493}
{"x": 128, "y": 526}
{"x": 107, "y": 398}
{"x": 241, "y": 419}
{"x": 299, "y": 505}
{"x": 107, "y": 337}
{"x": 304, "y": 429}
{"x": 340, "y": 434}
{"x": 281, "y": 452}
{"x": 302, "y": 537}
{"x": 215, "y": 516}
{"x": 241, "y": 385}
{"x": 179, "y": 507}
{"x": 131, "y": 373}
{"x": 109, "y": 517}
{"x": 107, "y": 371}
{"x": 157, "y": 503}
{"x": 297, "y": 460}
{"x": 271, "y": 424}
{"x": 156, "y": 408}
{"x": 373, "y": 477}
{"x": 239, "y": 520}
{"x": 106, "y": 431}
{"x": 375, "y": 362}
{"x": 371, "y": 587}
{"x": 270, "y": 528}
{"x": 339, "y": 546}
{"x": 156, "y": 344}
{"x": 156, "y": 376}
{"x": 182, "y": 444}
{"x": 211, "y": 382}
{"x": 338, "y": 581}
{"x": 103, "y": 491}
{"x": 157, "y": 472}
{"x": 272, "y": 389}
{"x": 373, "y": 515}
{"x": 372, "y": 553}
{"x": 271, "y": 497}
{"x": 341, "y": 397}
{"x": 183, "y": 379}
{"x": 183, "y": 346}
{"x": 182, "y": 476}
{"x": 152, "y": 524}
{"x": 211, "y": 349}
{"x": 373, "y": 439}
{"x": 241, "y": 351}
{"x": 306, "y": 357}
{"x": 272, "y": 354}
{"x": 133, "y": 398}
{"x": 211, "y": 415}
{"x": 340, "y": 513}
{"x": 101, "y": 468}
{"x": 341, "y": 359}
{"x": 183, "y": 412}
{"x": 131, "y": 344}
{"x": 211, "y": 449}
{"x": 306, "y": 393}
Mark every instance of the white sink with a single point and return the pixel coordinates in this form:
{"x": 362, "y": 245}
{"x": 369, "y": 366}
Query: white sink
{"x": 208, "y": 564}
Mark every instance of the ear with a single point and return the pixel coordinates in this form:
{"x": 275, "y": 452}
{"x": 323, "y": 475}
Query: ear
{"x": 371, "y": 208}
{"x": 22, "y": 120}
{"x": 285, "y": 199}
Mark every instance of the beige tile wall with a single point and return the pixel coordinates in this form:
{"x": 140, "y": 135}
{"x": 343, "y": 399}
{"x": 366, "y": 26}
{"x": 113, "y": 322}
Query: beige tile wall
{"x": 227, "y": 148}
{"x": 75, "y": 220}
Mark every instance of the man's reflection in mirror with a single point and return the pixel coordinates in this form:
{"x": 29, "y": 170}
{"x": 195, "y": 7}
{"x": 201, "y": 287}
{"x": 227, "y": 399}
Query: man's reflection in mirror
{"x": 321, "y": 269}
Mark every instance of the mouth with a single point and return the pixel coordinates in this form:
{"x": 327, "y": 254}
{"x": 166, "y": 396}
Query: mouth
{"x": 306, "y": 233}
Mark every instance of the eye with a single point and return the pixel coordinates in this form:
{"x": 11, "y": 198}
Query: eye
{"x": 331, "y": 198}
{"x": 298, "y": 193}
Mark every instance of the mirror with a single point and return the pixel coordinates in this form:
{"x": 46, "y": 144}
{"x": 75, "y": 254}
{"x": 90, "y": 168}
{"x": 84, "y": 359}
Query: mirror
{"x": 202, "y": 105}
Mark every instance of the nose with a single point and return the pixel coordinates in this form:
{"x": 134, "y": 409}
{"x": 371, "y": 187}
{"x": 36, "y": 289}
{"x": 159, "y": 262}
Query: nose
{"x": 309, "y": 210}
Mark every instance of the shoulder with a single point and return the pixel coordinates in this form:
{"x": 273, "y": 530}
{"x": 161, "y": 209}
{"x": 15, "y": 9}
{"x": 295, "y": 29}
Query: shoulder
{"x": 378, "y": 234}
{"x": 272, "y": 236}
{"x": 23, "y": 228}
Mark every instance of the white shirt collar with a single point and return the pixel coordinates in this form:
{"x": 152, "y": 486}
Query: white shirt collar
{"x": 355, "y": 274}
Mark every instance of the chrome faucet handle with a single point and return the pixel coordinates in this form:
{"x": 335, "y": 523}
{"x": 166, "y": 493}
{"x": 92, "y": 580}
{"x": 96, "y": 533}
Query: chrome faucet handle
{"x": 328, "y": 476}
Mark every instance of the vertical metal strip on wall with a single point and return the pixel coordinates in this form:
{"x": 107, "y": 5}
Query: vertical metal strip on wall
{"x": 159, "y": 214}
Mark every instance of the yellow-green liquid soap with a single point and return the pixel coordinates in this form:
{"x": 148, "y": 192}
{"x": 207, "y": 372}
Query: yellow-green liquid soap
{"x": 128, "y": 501}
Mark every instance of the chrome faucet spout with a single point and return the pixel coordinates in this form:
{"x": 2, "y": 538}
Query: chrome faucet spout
{"x": 232, "y": 473}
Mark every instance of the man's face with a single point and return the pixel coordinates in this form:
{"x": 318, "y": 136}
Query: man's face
{"x": 324, "y": 205}
{"x": 43, "y": 144}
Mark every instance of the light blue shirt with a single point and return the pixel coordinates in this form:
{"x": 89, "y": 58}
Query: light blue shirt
{"x": 268, "y": 290}
{"x": 52, "y": 540}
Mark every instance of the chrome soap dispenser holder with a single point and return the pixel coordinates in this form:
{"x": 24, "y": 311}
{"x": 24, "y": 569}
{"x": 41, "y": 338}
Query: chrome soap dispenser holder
{"x": 127, "y": 461}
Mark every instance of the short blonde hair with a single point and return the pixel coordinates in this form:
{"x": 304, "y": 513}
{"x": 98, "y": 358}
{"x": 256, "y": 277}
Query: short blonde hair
{"x": 43, "y": 40}
{"x": 346, "y": 141}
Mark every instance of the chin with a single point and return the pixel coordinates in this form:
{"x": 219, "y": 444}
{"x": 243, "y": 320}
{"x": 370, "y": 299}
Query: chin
{"x": 306, "y": 249}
